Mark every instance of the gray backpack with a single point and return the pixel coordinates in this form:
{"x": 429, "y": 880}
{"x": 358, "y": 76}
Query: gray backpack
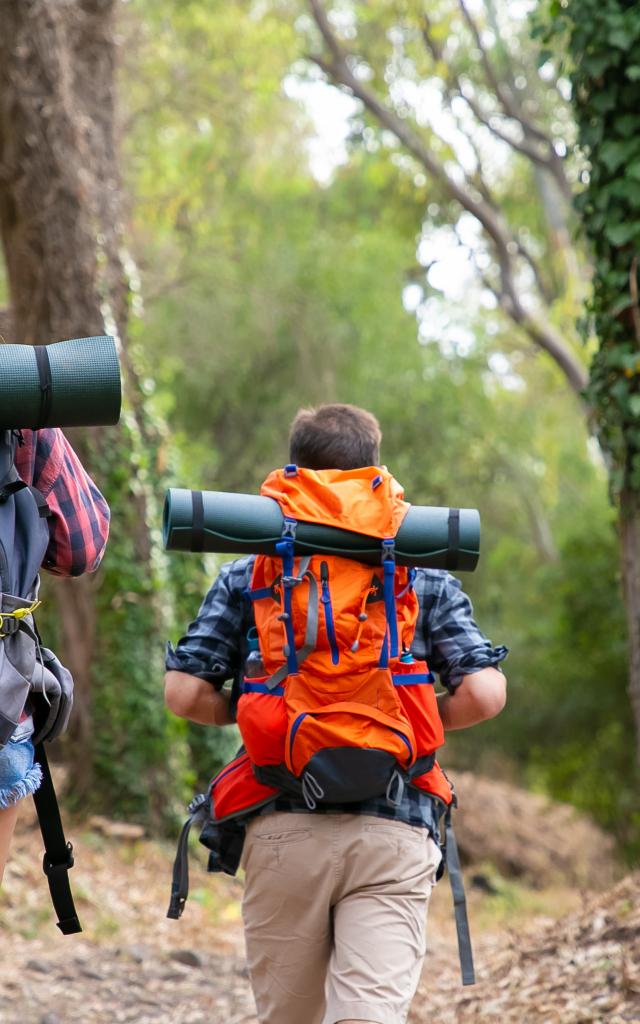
{"x": 30, "y": 674}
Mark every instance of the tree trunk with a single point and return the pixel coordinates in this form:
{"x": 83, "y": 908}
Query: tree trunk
{"x": 60, "y": 222}
{"x": 629, "y": 522}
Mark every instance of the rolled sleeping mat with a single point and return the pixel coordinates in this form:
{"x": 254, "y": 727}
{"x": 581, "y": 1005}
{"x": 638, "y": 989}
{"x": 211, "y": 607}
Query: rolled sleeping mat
{"x": 67, "y": 384}
{"x": 215, "y": 521}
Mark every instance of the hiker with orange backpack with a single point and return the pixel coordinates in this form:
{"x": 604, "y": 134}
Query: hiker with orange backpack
{"x": 337, "y": 794}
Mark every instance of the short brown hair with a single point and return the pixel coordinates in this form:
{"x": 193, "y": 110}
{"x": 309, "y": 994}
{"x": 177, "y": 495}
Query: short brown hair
{"x": 335, "y": 437}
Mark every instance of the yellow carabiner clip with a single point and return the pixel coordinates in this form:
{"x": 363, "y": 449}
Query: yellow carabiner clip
{"x": 21, "y": 613}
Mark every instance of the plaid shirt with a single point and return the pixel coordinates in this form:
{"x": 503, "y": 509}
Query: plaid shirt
{"x": 79, "y": 523}
{"x": 215, "y": 648}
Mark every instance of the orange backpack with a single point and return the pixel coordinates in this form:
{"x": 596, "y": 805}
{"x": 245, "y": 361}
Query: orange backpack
{"x": 342, "y": 711}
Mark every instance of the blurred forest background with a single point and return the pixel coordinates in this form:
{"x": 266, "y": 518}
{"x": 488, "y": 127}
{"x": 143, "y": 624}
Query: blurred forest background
{"x": 289, "y": 203}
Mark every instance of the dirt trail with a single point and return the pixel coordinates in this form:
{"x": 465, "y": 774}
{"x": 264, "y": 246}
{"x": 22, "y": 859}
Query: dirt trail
{"x": 583, "y": 968}
{"x": 546, "y": 957}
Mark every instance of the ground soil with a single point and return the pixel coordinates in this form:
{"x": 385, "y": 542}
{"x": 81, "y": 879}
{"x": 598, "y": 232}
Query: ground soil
{"x": 549, "y": 953}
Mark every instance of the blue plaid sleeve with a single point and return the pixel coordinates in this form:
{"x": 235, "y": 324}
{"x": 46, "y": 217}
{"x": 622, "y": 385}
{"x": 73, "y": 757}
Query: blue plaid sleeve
{"x": 447, "y": 635}
{"x": 213, "y": 645}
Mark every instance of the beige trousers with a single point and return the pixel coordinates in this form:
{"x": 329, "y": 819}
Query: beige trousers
{"x": 335, "y": 909}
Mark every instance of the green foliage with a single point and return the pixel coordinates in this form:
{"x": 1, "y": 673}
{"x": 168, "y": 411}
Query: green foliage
{"x": 136, "y": 754}
{"x": 263, "y": 290}
{"x": 600, "y": 38}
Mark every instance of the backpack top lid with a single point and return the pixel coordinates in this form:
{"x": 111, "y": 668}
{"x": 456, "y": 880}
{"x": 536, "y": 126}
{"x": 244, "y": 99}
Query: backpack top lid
{"x": 367, "y": 500}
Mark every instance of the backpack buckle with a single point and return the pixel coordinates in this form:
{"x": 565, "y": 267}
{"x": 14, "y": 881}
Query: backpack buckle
{"x": 389, "y": 550}
{"x": 8, "y": 625}
{"x": 197, "y": 803}
{"x": 50, "y": 868}
{"x": 291, "y": 581}
{"x": 289, "y": 527}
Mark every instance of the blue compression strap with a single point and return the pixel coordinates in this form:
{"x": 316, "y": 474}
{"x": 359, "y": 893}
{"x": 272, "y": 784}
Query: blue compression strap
{"x": 384, "y": 653}
{"x": 249, "y": 687}
{"x": 285, "y": 548}
{"x": 389, "y": 566}
{"x": 413, "y": 679}
{"x": 329, "y": 623}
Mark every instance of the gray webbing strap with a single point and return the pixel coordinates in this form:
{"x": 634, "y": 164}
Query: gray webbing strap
{"x": 180, "y": 878}
{"x": 311, "y": 632}
{"x": 459, "y": 903}
{"x": 304, "y": 565}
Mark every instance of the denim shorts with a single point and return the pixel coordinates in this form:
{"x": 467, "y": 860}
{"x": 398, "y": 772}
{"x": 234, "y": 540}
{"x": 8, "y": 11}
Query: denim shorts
{"x": 19, "y": 775}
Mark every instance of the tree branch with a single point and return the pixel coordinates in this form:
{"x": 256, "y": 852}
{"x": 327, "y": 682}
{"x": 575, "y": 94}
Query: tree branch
{"x": 543, "y": 335}
{"x": 511, "y": 107}
{"x": 533, "y": 137}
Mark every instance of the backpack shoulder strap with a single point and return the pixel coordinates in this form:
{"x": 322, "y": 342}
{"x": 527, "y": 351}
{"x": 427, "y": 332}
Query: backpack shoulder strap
{"x": 58, "y": 855}
{"x": 451, "y": 859}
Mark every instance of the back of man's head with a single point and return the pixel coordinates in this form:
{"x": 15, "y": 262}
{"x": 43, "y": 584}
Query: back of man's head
{"x": 335, "y": 437}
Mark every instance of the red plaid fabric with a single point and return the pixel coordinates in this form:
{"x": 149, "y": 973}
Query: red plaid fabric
{"x": 79, "y": 524}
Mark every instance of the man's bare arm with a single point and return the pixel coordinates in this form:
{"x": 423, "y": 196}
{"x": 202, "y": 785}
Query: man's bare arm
{"x": 194, "y": 698}
{"x": 480, "y": 696}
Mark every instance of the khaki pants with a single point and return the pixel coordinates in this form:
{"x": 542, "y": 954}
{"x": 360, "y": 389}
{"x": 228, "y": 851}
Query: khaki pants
{"x": 335, "y": 909}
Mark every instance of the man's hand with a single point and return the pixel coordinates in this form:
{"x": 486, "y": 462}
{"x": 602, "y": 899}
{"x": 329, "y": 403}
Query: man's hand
{"x": 196, "y": 699}
{"x": 479, "y": 696}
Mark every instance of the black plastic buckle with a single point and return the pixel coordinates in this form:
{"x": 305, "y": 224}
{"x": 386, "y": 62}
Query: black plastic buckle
{"x": 50, "y": 868}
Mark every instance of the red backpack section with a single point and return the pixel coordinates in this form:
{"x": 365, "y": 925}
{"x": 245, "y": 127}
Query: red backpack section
{"x": 343, "y": 712}
{"x": 234, "y": 788}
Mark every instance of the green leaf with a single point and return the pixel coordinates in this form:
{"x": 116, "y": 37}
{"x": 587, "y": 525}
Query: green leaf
{"x": 620, "y": 234}
{"x": 595, "y": 64}
{"x": 614, "y": 154}
{"x": 627, "y": 124}
{"x": 634, "y": 405}
{"x": 604, "y": 101}
{"x": 633, "y": 72}
{"x": 623, "y": 302}
{"x": 621, "y": 39}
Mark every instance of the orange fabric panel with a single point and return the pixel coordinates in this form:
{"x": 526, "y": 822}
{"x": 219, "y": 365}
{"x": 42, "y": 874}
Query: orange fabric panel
{"x": 347, "y": 724}
{"x": 371, "y": 689}
{"x": 349, "y": 585}
{"x": 262, "y": 720}
{"x": 341, "y": 498}
{"x": 420, "y": 705}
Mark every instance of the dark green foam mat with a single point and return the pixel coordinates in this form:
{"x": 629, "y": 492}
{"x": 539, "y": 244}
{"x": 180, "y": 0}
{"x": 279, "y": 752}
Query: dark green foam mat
{"x": 252, "y": 524}
{"x": 85, "y": 387}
